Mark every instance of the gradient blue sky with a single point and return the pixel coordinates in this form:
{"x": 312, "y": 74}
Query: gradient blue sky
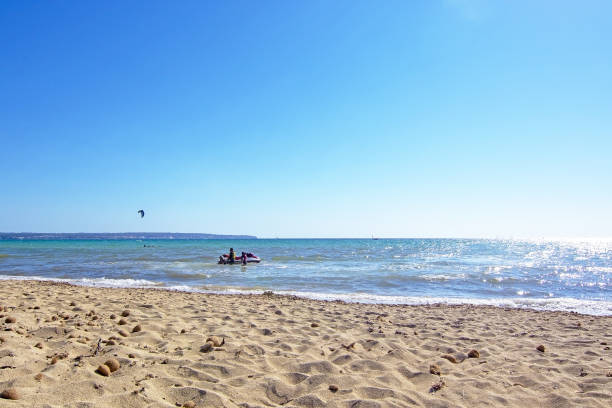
{"x": 307, "y": 118}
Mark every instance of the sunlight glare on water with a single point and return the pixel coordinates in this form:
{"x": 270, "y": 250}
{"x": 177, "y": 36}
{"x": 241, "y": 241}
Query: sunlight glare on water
{"x": 557, "y": 274}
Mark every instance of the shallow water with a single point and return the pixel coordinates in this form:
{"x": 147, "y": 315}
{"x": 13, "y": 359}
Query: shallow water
{"x": 552, "y": 275}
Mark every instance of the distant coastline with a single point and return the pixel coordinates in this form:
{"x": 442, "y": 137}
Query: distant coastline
{"x": 117, "y": 235}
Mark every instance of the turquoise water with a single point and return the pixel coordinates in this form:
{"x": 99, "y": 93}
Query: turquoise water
{"x": 552, "y": 275}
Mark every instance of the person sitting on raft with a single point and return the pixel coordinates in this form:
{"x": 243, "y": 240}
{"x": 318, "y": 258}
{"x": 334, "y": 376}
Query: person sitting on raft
{"x": 232, "y": 256}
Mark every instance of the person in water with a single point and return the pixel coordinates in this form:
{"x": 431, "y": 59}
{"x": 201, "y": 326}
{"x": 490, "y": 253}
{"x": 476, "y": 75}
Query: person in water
{"x": 243, "y": 258}
{"x": 232, "y": 256}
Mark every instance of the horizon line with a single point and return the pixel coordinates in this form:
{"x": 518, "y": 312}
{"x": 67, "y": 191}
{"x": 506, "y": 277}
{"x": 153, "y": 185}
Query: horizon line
{"x": 501, "y": 237}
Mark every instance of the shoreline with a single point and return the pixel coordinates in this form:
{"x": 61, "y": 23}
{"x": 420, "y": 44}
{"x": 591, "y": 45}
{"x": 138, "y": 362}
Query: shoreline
{"x": 597, "y": 307}
{"x": 291, "y": 351}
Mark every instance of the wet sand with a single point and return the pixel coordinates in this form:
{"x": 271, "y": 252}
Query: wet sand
{"x": 71, "y": 346}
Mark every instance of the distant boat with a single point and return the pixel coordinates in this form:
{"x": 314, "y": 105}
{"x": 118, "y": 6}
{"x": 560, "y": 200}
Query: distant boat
{"x": 375, "y": 239}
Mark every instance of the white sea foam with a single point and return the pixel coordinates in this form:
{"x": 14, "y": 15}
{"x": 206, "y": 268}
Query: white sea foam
{"x": 592, "y": 307}
{"x": 94, "y": 282}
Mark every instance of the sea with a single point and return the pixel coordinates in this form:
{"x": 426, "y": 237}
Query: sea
{"x": 566, "y": 275}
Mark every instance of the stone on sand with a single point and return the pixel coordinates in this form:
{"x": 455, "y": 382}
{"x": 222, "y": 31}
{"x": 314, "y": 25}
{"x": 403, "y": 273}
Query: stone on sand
{"x": 541, "y": 348}
{"x": 137, "y": 328}
{"x": 125, "y": 313}
{"x": 10, "y": 319}
{"x": 450, "y": 358}
{"x": 216, "y": 341}
{"x": 103, "y": 370}
{"x": 437, "y": 386}
{"x": 113, "y": 365}
{"x": 123, "y": 333}
{"x": 10, "y": 394}
{"x": 473, "y": 354}
{"x": 434, "y": 369}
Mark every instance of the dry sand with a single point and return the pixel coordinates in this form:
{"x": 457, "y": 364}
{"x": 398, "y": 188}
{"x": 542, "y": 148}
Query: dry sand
{"x": 290, "y": 352}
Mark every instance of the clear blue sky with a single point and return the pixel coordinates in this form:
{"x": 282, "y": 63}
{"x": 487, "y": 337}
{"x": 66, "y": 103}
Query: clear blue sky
{"x": 307, "y": 118}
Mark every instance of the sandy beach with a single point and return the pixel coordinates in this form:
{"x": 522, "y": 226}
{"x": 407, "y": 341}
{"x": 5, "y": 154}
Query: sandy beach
{"x": 72, "y": 346}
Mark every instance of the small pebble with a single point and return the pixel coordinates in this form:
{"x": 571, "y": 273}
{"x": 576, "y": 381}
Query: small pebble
{"x": 137, "y": 328}
{"x": 38, "y": 377}
{"x": 110, "y": 343}
{"x": 333, "y": 388}
{"x": 450, "y": 358}
{"x": 124, "y": 333}
{"x": 113, "y": 365}
{"x": 38, "y": 345}
{"x": 10, "y": 319}
{"x": 541, "y": 348}
{"x": 113, "y": 316}
{"x": 437, "y": 386}
{"x": 103, "y": 370}
{"x": 216, "y": 341}
{"x": 267, "y": 332}
{"x": 125, "y": 313}
{"x": 10, "y": 394}
{"x": 314, "y": 325}
{"x": 122, "y": 322}
{"x": 183, "y": 331}
{"x": 189, "y": 404}
{"x": 473, "y": 354}
{"x": 131, "y": 355}
{"x": 434, "y": 369}
{"x": 54, "y": 360}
